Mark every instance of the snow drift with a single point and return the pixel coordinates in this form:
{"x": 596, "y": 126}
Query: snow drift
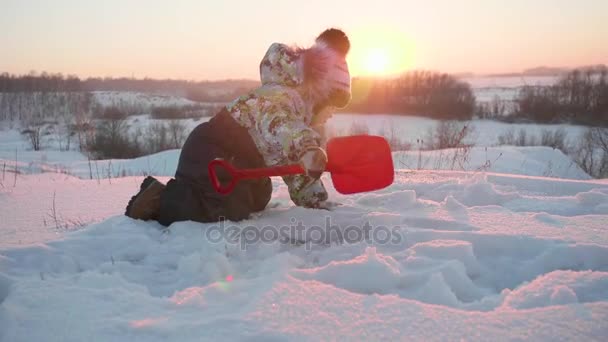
{"x": 439, "y": 255}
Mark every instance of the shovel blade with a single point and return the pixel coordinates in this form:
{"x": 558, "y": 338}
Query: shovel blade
{"x": 360, "y": 163}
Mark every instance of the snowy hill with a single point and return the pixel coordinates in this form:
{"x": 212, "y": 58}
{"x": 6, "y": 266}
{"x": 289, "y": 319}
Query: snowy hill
{"x": 491, "y": 243}
{"x": 439, "y": 255}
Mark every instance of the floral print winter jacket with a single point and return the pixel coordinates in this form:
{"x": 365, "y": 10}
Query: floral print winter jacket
{"x": 279, "y": 121}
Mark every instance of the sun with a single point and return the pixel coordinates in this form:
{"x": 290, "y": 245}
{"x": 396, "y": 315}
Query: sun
{"x": 380, "y": 51}
{"x": 377, "y": 61}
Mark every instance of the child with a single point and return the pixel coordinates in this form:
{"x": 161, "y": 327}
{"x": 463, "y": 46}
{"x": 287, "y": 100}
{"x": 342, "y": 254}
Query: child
{"x": 272, "y": 125}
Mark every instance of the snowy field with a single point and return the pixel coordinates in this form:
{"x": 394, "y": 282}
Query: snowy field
{"x": 504, "y": 243}
{"x": 412, "y": 128}
{"x": 409, "y": 129}
{"x": 439, "y": 255}
{"x": 505, "y": 88}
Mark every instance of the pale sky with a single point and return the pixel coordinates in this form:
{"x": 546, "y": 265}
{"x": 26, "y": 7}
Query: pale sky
{"x": 220, "y": 39}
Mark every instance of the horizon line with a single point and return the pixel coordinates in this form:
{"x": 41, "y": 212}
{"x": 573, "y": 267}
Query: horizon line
{"x": 548, "y": 72}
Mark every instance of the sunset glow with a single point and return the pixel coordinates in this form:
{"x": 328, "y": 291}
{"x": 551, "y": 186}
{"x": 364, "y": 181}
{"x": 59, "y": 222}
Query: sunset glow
{"x": 377, "y": 61}
{"x": 380, "y": 51}
{"x": 211, "y": 40}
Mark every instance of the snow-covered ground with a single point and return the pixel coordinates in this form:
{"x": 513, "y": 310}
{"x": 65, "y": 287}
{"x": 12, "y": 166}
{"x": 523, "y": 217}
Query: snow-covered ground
{"x": 486, "y": 89}
{"x": 132, "y": 98}
{"x": 488, "y": 243}
{"x": 532, "y": 161}
{"x": 409, "y": 129}
{"x": 480, "y": 82}
{"x": 61, "y": 178}
{"x": 439, "y": 255}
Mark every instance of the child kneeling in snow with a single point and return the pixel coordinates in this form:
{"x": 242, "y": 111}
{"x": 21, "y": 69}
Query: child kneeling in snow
{"x": 272, "y": 125}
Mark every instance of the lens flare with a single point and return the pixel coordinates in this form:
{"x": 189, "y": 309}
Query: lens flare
{"x": 224, "y": 285}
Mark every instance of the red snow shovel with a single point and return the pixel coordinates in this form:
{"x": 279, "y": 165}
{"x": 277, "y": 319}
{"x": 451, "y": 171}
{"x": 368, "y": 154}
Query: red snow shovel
{"x": 357, "y": 163}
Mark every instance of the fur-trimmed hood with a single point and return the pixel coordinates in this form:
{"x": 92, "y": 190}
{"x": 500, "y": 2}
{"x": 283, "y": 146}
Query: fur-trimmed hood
{"x": 282, "y": 65}
{"x": 320, "y": 69}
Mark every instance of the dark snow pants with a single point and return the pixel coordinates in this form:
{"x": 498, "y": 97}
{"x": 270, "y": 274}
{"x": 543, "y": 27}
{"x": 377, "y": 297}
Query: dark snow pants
{"x": 190, "y": 195}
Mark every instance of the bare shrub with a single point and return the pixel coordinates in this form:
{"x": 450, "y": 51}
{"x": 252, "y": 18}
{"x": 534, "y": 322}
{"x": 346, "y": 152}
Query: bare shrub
{"x": 600, "y": 137}
{"x": 448, "y": 134}
{"x": 156, "y": 138}
{"x": 63, "y": 131}
{"x": 177, "y": 133}
{"x": 497, "y": 108}
{"x": 555, "y": 139}
{"x": 523, "y": 139}
{"x": 112, "y": 138}
{"x": 507, "y": 138}
{"x": 591, "y": 154}
{"x": 34, "y": 132}
{"x": 60, "y": 222}
{"x": 84, "y": 130}
{"x": 161, "y": 136}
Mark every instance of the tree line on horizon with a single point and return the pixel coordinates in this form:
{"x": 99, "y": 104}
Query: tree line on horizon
{"x": 578, "y": 97}
{"x": 201, "y": 91}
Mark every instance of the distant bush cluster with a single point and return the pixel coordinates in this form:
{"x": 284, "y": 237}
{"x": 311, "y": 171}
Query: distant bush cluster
{"x": 427, "y": 93}
{"x": 34, "y": 82}
{"x": 114, "y": 138}
{"x": 24, "y": 106}
{"x": 496, "y": 109}
{"x": 591, "y": 154}
{"x": 556, "y": 139}
{"x": 578, "y": 97}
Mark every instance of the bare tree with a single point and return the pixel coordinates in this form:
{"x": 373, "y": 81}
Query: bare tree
{"x": 112, "y": 139}
{"x": 157, "y": 137}
{"x": 33, "y": 132}
{"x": 591, "y": 154}
{"x": 556, "y": 139}
{"x": 177, "y": 133}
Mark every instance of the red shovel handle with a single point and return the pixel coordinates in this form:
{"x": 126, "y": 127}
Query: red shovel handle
{"x": 237, "y": 174}
{"x": 212, "y": 167}
{"x": 357, "y": 163}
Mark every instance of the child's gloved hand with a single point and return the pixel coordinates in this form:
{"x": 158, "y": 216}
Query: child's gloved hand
{"x": 313, "y": 162}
